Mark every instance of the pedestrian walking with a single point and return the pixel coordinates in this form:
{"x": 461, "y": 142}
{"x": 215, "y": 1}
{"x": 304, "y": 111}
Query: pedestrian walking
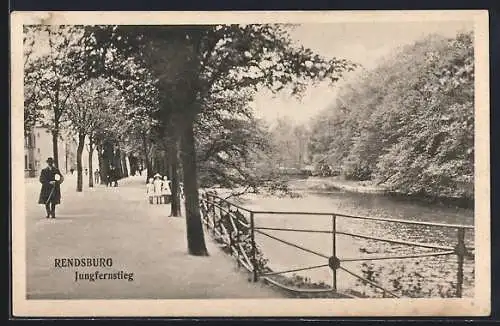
{"x": 112, "y": 178}
{"x": 97, "y": 176}
{"x": 50, "y": 194}
{"x": 115, "y": 176}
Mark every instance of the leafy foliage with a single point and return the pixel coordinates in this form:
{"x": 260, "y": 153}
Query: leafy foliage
{"x": 409, "y": 123}
{"x": 54, "y": 73}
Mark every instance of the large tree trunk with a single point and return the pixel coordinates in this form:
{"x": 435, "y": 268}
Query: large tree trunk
{"x": 124, "y": 164}
{"x": 66, "y": 154}
{"x": 55, "y": 147}
{"x": 108, "y": 156}
{"x": 147, "y": 158}
{"x": 79, "y": 168}
{"x": 168, "y": 171}
{"x": 149, "y": 167}
{"x": 133, "y": 165}
{"x": 155, "y": 163}
{"x": 103, "y": 169}
{"x": 173, "y": 166}
{"x": 117, "y": 162}
{"x": 195, "y": 235}
{"x": 91, "y": 171}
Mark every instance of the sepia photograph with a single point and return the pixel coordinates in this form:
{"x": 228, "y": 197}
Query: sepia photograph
{"x": 250, "y": 163}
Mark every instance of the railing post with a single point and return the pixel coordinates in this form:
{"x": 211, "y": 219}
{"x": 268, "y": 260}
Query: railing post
{"x": 220, "y": 209}
{"x": 334, "y": 251}
{"x": 213, "y": 213}
{"x": 254, "y": 249}
{"x": 203, "y": 207}
{"x": 460, "y": 250}
{"x": 230, "y": 231}
{"x": 236, "y": 240}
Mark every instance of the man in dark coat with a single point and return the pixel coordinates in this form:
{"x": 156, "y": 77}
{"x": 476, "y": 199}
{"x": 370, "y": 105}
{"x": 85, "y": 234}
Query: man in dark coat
{"x": 113, "y": 174}
{"x": 50, "y": 194}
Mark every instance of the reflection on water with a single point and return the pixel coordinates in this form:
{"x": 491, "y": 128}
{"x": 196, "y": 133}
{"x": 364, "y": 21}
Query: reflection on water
{"x": 426, "y": 277}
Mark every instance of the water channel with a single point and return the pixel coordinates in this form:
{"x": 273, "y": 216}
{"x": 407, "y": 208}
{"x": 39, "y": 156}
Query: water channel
{"x": 416, "y": 277}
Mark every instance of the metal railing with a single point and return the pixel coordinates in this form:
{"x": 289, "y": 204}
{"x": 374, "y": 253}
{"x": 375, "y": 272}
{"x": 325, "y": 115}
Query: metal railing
{"x": 227, "y": 221}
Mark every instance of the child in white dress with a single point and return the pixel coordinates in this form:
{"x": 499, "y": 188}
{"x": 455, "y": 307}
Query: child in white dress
{"x": 150, "y": 189}
{"x": 157, "y": 187}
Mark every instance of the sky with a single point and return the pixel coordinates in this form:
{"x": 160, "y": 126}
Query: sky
{"x": 360, "y": 42}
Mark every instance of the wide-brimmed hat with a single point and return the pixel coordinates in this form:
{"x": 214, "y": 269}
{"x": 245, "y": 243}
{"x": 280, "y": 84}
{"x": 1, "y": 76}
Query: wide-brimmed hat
{"x": 157, "y": 175}
{"x": 50, "y": 160}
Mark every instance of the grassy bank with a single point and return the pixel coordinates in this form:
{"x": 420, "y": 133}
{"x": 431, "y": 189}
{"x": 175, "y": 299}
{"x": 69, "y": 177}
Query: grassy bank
{"x": 319, "y": 184}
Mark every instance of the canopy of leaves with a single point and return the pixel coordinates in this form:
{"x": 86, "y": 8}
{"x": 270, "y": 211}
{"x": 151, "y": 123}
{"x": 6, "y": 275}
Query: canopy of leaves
{"x": 96, "y": 109}
{"x": 52, "y": 72}
{"x": 213, "y": 58}
{"x": 229, "y": 141}
{"x": 218, "y": 67}
{"x": 409, "y": 123}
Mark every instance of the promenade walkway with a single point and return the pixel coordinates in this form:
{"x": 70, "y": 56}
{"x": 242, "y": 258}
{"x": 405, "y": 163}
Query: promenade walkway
{"x": 140, "y": 238}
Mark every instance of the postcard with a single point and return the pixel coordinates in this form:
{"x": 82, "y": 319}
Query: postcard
{"x": 272, "y": 163}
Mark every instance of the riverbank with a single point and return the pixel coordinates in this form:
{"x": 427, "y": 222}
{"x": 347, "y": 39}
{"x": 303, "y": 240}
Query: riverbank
{"x": 327, "y": 184}
{"x": 335, "y": 184}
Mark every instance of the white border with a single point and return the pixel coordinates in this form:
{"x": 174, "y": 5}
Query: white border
{"x": 479, "y": 306}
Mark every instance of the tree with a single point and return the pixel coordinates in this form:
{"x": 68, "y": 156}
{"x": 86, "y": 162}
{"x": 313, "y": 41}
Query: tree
{"x": 52, "y": 74}
{"x": 439, "y": 126}
{"x": 32, "y": 99}
{"x": 200, "y": 61}
{"x": 233, "y": 57}
{"x": 95, "y": 108}
{"x": 229, "y": 141}
{"x": 119, "y": 54}
{"x": 408, "y": 123}
{"x": 289, "y": 143}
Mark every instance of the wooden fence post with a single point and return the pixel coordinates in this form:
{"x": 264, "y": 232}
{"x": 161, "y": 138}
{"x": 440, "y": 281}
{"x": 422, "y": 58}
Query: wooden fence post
{"x": 254, "y": 249}
{"x": 460, "y": 251}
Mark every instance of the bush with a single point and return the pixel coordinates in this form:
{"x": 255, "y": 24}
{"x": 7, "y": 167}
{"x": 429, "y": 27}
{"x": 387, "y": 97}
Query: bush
{"x": 357, "y": 172}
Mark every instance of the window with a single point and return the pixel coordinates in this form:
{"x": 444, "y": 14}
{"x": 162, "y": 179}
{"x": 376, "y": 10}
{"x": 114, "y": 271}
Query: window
{"x": 25, "y": 162}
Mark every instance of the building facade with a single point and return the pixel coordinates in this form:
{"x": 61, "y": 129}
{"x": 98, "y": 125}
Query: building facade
{"x": 38, "y": 147}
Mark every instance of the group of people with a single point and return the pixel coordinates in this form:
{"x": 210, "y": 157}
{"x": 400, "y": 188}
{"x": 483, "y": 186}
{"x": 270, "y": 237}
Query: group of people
{"x": 158, "y": 190}
{"x": 111, "y": 178}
